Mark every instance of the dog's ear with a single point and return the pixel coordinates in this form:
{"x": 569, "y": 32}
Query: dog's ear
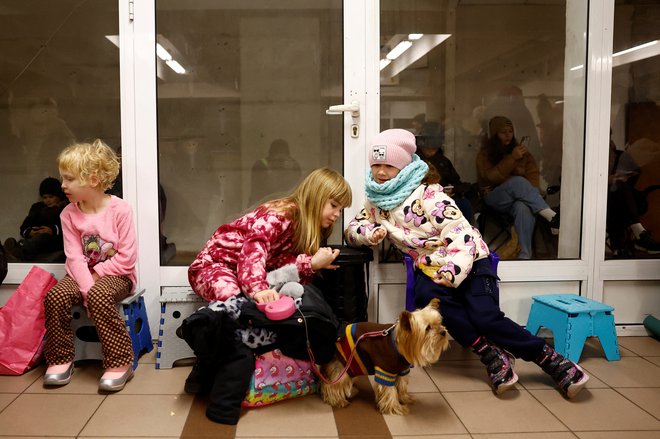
{"x": 404, "y": 321}
{"x": 434, "y": 303}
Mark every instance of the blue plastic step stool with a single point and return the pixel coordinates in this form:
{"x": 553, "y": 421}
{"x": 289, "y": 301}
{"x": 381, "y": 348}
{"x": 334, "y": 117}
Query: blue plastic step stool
{"x": 572, "y": 319}
{"x": 134, "y": 312}
{"x": 135, "y": 316}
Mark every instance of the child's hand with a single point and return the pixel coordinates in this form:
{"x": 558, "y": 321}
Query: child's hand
{"x": 265, "y": 296}
{"x": 441, "y": 280}
{"x": 324, "y": 257}
{"x": 378, "y": 236}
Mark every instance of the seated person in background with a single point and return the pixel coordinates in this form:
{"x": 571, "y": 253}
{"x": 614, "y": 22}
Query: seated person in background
{"x": 417, "y": 123}
{"x": 625, "y": 205}
{"x": 41, "y": 230}
{"x": 274, "y": 174}
{"x": 429, "y": 147}
{"x": 509, "y": 182}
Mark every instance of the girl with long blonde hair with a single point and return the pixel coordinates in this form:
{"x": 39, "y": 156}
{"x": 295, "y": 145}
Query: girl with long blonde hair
{"x": 289, "y": 230}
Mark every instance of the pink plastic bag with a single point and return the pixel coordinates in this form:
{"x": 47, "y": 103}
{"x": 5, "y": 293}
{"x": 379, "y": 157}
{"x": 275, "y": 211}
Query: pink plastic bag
{"x": 22, "y": 323}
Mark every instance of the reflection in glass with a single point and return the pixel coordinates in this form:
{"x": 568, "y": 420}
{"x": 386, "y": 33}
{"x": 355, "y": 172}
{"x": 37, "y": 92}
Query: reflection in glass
{"x": 633, "y": 198}
{"x": 243, "y": 118}
{"x": 59, "y": 83}
{"x": 447, "y": 69}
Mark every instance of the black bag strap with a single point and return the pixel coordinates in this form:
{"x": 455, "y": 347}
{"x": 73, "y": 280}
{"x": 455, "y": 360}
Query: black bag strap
{"x": 3, "y": 264}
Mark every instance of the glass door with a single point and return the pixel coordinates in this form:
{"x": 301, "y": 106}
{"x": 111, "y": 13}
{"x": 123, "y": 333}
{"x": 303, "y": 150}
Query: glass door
{"x": 242, "y": 93}
{"x": 454, "y": 74}
{"x": 229, "y": 108}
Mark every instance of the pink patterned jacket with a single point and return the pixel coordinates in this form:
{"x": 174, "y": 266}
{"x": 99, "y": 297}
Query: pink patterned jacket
{"x": 237, "y": 257}
{"x": 429, "y": 227}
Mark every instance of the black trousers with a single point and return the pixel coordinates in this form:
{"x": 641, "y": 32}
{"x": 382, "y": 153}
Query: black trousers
{"x": 472, "y": 310}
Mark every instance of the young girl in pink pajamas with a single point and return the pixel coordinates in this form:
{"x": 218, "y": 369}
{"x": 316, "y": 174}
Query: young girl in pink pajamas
{"x": 101, "y": 252}
{"x": 289, "y": 230}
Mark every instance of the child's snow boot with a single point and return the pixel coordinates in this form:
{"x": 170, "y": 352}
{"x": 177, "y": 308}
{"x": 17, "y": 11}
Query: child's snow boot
{"x": 499, "y": 365}
{"x": 569, "y": 376}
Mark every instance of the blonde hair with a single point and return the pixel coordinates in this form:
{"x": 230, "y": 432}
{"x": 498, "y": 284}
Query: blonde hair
{"x": 305, "y": 207}
{"x": 85, "y": 160}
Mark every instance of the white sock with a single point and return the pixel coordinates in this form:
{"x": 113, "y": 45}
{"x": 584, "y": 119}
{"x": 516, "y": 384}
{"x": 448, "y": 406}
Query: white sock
{"x": 547, "y": 213}
{"x": 637, "y": 229}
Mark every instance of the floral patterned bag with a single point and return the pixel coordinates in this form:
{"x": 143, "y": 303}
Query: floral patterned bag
{"x": 278, "y": 377}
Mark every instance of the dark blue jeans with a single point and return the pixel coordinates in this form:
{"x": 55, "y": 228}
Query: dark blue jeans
{"x": 472, "y": 310}
{"x": 518, "y": 198}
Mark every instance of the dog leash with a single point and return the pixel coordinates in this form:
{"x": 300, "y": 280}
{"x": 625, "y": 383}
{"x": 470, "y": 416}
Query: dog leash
{"x": 385, "y": 332}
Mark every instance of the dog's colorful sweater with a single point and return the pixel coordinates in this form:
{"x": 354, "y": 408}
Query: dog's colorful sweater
{"x": 376, "y": 355}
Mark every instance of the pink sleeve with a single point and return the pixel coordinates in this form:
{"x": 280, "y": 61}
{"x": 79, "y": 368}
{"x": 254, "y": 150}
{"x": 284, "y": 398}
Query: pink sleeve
{"x": 251, "y": 267}
{"x": 123, "y": 262}
{"x": 76, "y": 265}
{"x": 304, "y": 265}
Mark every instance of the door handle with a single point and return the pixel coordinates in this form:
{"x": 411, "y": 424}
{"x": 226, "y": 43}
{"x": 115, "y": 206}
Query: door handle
{"x": 353, "y": 107}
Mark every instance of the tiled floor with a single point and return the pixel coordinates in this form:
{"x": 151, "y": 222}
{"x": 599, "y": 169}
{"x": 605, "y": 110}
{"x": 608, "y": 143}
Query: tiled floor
{"x": 622, "y": 400}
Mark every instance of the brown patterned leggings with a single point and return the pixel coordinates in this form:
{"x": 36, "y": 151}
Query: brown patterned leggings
{"x": 101, "y": 304}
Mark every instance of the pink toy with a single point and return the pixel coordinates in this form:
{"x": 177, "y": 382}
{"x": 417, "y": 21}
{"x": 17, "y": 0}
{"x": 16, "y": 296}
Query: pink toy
{"x": 279, "y": 309}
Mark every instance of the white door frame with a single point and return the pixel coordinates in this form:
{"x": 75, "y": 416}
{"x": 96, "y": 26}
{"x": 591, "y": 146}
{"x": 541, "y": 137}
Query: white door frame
{"x": 137, "y": 65}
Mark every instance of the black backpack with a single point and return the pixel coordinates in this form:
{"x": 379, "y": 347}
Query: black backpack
{"x": 314, "y": 322}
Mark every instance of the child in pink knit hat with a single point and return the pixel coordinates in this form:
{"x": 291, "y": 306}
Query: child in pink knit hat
{"x": 393, "y": 147}
{"x": 406, "y": 203}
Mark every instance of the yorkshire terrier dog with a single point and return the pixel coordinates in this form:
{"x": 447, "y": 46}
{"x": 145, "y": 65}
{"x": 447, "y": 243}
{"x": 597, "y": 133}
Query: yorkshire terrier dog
{"x": 387, "y": 352}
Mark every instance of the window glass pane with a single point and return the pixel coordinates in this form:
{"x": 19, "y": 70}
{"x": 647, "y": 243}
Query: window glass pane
{"x": 245, "y": 117}
{"x": 633, "y": 198}
{"x": 59, "y": 83}
{"x": 466, "y": 63}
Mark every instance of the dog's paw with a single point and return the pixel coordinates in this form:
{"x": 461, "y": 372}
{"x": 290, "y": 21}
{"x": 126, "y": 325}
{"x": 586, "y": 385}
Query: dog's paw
{"x": 394, "y": 409}
{"x": 406, "y": 399}
{"x": 335, "y": 401}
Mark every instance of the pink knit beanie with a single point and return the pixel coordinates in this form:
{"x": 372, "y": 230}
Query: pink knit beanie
{"x": 393, "y": 147}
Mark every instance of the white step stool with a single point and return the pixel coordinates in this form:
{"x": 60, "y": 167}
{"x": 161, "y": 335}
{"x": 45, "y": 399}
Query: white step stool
{"x": 86, "y": 339}
{"x": 176, "y": 303}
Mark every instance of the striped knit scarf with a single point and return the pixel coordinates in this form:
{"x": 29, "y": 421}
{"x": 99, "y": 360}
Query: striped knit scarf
{"x": 394, "y": 192}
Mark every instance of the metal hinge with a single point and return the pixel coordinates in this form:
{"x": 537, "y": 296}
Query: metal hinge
{"x": 131, "y": 10}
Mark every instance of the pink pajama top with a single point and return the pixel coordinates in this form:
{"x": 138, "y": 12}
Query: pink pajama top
{"x": 104, "y": 242}
{"x": 237, "y": 257}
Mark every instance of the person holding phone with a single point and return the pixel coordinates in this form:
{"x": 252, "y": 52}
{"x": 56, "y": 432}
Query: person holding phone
{"x": 508, "y": 178}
